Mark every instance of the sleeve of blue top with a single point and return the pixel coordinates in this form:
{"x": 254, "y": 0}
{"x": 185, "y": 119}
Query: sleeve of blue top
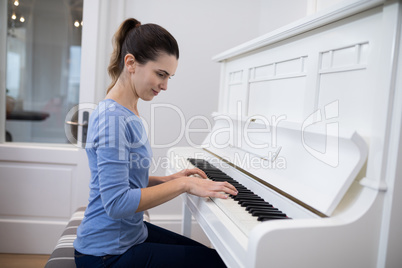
{"x": 119, "y": 200}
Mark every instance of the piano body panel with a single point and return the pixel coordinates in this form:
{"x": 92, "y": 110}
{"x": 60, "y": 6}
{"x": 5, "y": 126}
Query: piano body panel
{"x": 348, "y": 240}
{"x": 223, "y": 234}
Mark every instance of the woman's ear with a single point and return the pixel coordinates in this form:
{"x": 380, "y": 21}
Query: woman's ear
{"x": 129, "y": 62}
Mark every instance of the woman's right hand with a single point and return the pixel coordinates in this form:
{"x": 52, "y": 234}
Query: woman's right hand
{"x": 207, "y": 188}
{"x": 196, "y": 185}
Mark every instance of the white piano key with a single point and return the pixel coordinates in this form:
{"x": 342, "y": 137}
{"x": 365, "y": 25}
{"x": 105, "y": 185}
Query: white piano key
{"x": 238, "y": 214}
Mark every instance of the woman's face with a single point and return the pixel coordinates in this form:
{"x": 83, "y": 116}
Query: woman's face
{"x": 150, "y": 78}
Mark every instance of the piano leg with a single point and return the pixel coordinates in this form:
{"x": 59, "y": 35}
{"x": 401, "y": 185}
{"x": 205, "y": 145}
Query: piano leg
{"x": 186, "y": 223}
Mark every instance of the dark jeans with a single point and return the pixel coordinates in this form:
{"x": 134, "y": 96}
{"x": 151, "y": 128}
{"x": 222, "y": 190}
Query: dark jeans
{"x": 162, "y": 248}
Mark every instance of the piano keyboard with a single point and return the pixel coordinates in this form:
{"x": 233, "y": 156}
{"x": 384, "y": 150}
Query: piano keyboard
{"x": 235, "y": 207}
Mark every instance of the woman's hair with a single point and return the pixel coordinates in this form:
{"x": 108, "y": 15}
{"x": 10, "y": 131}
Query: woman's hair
{"x": 146, "y": 42}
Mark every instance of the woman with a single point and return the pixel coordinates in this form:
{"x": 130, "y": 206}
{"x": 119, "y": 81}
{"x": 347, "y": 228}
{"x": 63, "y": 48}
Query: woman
{"x": 113, "y": 233}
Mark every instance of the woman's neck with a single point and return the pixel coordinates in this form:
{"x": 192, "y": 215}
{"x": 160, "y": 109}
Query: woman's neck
{"x": 123, "y": 93}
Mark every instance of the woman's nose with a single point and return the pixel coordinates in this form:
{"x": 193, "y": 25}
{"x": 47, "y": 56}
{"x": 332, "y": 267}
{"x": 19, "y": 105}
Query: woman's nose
{"x": 163, "y": 86}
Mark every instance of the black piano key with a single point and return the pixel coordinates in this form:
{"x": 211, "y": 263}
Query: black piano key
{"x": 258, "y": 206}
{"x": 215, "y": 178}
{"x": 243, "y": 189}
{"x": 254, "y": 203}
{"x": 239, "y": 197}
{"x": 229, "y": 181}
{"x": 239, "y": 184}
{"x": 247, "y": 195}
{"x": 197, "y": 160}
{"x": 268, "y": 218}
{"x": 201, "y": 162}
{"x": 267, "y": 214}
{"x": 191, "y": 160}
{"x": 211, "y": 169}
{"x": 246, "y": 202}
{"x": 215, "y": 172}
{"x": 253, "y": 209}
{"x": 242, "y": 196}
{"x": 207, "y": 168}
{"x": 221, "y": 178}
{"x": 204, "y": 165}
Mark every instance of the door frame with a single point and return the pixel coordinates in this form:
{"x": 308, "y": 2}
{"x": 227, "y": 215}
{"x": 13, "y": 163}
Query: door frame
{"x": 3, "y": 67}
{"x": 42, "y": 184}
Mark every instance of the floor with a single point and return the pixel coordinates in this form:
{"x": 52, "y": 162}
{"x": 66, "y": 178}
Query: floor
{"x": 22, "y": 261}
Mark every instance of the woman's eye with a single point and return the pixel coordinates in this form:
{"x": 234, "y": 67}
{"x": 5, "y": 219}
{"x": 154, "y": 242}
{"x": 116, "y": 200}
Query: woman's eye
{"x": 161, "y": 75}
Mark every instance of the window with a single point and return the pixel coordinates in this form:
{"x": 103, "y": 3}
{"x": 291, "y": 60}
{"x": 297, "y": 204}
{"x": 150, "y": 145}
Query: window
{"x": 43, "y": 68}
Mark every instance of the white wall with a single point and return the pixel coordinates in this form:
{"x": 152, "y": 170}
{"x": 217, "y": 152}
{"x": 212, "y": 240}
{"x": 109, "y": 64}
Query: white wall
{"x": 275, "y": 14}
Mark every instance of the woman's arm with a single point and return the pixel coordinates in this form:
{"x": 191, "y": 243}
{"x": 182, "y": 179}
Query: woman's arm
{"x": 159, "y": 194}
{"x": 155, "y": 180}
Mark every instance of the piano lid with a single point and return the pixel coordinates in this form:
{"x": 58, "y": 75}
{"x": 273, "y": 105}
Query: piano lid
{"x": 311, "y": 166}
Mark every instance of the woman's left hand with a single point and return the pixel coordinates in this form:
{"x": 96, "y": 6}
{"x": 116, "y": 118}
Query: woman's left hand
{"x": 188, "y": 172}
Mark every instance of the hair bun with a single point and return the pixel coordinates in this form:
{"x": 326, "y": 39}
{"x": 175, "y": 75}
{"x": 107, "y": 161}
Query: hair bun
{"x": 134, "y": 23}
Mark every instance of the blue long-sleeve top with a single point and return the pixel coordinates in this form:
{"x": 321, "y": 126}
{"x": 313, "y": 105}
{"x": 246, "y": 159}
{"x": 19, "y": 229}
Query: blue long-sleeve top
{"x": 119, "y": 157}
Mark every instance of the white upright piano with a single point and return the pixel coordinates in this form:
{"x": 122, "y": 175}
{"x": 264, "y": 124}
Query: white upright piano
{"x": 309, "y": 129}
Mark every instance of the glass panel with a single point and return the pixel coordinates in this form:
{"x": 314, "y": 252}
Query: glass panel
{"x": 43, "y": 68}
